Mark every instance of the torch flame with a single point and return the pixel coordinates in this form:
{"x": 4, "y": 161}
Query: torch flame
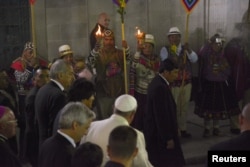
{"x": 98, "y": 32}
{"x": 139, "y": 34}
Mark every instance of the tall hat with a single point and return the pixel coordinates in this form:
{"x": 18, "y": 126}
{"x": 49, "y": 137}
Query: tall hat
{"x": 28, "y": 45}
{"x": 108, "y": 33}
{"x": 217, "y": 38}
{"x": 149, "y": 38}
{"x": 174, "y": 30}
{"x": 64, "y": 50}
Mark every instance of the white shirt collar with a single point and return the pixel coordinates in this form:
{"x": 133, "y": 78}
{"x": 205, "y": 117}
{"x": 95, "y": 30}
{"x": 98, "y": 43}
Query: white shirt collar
{"x": 164, "y": 79}
{"x": 58, "y": 84}
{"x": 179, "y": 49}
{"x": 68, "y": 138}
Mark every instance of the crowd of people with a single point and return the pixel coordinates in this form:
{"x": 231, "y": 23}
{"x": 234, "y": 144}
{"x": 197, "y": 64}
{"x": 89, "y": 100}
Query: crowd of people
{"x": 76, "y": 111}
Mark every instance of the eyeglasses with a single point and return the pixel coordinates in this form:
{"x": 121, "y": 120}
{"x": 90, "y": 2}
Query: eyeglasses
{"x": 12, "y": 121}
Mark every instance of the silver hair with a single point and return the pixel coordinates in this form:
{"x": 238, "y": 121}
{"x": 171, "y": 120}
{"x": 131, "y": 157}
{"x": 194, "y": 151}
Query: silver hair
{"x": 75, "y": 111}
{"x": 59, "y": 66}
{"x": 246, "y": 112}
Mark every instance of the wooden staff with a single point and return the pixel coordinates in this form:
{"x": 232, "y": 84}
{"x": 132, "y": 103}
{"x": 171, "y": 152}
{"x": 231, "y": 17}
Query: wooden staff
{"x": 182, "y": 93}
{"x": 33, "y": 34}
{"x": 188, "y": 5}
{"x": 122, "y": 11}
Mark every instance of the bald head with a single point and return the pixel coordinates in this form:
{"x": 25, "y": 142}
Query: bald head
{"x": 246, "y": 112}
{"x": 8, "y": 122}
{"x": 244, "y": 118}
{"x": 104, "y": 20}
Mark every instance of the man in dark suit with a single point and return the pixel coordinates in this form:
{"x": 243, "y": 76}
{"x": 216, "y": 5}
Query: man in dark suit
{"x": 8, "y": 125}
{"x": 160, "y": 120}
{"x": 74, "y": 122}
{"x": 81, "y": 90}
{"x": 240, "y": 142}
{"x": 31, "y": 140}
{"x": 51, "y": 98}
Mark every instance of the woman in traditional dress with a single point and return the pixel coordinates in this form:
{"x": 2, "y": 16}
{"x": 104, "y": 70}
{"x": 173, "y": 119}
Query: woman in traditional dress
{"x": 216, "y": 99}
{"x": 144, "y": 67}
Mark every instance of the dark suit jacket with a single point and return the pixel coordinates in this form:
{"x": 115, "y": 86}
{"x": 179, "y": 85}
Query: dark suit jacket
{"x": 7, "y": 156}
{"x": 160, "y": 125}
{"x": 31, "y": 142}
{"x": 30, "y": 109}
{"x": 239, "y": 143}
{"x": 56, "y": 151}
{"x": 113, "y": 164}
{"x": 49, "y": 101}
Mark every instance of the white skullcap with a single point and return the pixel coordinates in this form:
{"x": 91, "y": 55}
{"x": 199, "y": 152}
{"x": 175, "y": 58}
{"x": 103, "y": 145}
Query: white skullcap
{"x": 126, "y": 103}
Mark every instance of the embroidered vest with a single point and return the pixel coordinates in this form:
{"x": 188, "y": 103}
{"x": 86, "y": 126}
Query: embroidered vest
{"x": 185, "y": 70}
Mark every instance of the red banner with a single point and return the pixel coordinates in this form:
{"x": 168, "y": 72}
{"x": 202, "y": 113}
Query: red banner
{"x": 32, "y": 2}
{"x": 189, "y": 4}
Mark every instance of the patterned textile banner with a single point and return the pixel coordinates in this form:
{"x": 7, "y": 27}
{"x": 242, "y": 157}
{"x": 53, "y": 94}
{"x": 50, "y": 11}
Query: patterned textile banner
{"x": 120, "y": 3}
{"x": 189, "y": 4}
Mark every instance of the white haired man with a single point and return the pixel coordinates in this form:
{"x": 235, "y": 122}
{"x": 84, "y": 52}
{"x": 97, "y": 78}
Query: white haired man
{"x": 74, "y": 122}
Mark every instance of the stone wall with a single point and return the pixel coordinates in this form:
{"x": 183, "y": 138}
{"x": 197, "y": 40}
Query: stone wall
{"x": 70, "y": 21}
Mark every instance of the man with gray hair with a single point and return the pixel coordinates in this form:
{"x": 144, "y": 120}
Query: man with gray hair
{"x": 74, "y": 122}
{"x": 125, "y": 107}
{"x": 51, "y": 99}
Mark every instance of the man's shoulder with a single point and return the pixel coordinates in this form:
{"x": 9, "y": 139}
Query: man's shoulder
{"x": 50, "y": 90}
{"x": 50, "y": 144}
{"x": 33, "y": 91}
{"x": 32, "y": 94}
{"x": 138, "y": 131}
{"x": 95, "y": 125}
{"x": 105, "y": 125}
{"x": 224, "y": 145}
{"x": 105, "y": 122}
{"x": 98, "y": 131}
{"x": 156, "y": 81}
{"x": 240, "y": 142}
{"x": 56, "y": 141}
{"x": 51, "y": 86}
{"x": 56, "y": 148}
{"x": 113, "y": 164}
